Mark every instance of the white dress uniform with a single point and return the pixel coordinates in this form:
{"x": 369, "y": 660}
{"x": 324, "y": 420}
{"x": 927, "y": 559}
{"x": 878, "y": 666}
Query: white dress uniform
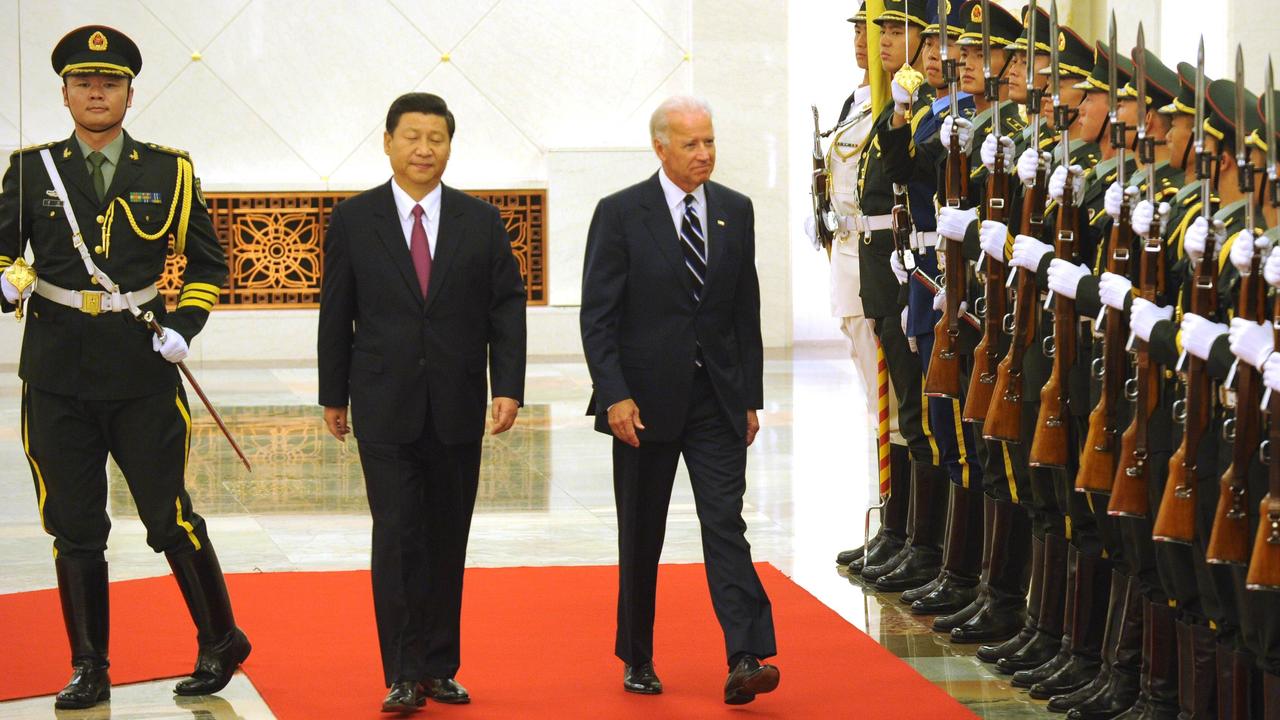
{"x": 843, "y": 158}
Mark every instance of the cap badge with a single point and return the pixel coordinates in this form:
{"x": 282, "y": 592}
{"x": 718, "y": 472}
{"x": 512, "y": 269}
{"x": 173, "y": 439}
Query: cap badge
{"x": 98, "y": 41}
{"x": 1062, "y": 41}
{"x": 976, "y": 15}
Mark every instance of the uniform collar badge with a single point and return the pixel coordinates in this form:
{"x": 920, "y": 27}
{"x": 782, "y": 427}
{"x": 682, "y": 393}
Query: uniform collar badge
{"x": 133, "y": 155}
{"x": 66, "y": 153}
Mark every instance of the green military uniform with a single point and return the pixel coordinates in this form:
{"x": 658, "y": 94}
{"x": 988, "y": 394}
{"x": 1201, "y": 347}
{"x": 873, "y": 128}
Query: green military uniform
{"x": 94, "y": 383}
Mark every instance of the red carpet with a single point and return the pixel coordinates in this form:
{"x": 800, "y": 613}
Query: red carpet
{"x": 537, "y": 643}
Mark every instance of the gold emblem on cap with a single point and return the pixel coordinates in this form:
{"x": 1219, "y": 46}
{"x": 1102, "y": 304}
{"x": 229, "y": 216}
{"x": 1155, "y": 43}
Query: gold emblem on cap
{"x": 97, "y": 41}
{"x": 1062, "y": 41}
{"x": 976, "y": 15}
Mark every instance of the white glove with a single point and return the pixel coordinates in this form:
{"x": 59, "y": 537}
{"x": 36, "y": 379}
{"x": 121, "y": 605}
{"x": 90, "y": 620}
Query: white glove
{"x": 963, "y": 128}
{"x": 1271, "y": 271}
{"x": 1113, "y": 289}
{"x": 1271, "y": 373}
{"x": 1250, "y": 341}
{"x": 1144, "y": 315}
{"x": 1194, "y": 239}
{"x": 1028, "y": 252}
{"x": 895, "y": 264}
{"x": 988, "y": 152}
{"x": 1115, "y": 199}
{"x": 1064, "y": 277}
{"x": 1242, "y": 252}
{"x": 904, "y": 327}
{"x": 810, "y": 230}
{"x": 1058, "y": 182}
{"x": 1029, "y": 165}
{"x": 170, "y": 345}
{"x": 1199, "y": 334}
{"x": 901, "y": 97}
{"x": 992, "y": 238}
{"x": 953, "y": 222}
{"x": 1143, "y": 213}
{"x": 11, "y": 291}
{"x": 940, "y": 302}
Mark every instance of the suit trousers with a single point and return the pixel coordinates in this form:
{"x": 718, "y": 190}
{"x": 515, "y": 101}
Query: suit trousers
{"x": 716, "y": 458}
{"x": 421, "y": 496}
{"x": 67, "y": 440}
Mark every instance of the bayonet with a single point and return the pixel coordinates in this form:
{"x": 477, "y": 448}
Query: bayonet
{"x": 1269, "y": 109}
{"x": 1146, "y": 144}
{"x": 1204, "y": 162}
{"x": 991, "y": 85}
{"x": 1060, "y": 111}
{"x": 1242, "y": 151}
{"x": 1118, "y": 126}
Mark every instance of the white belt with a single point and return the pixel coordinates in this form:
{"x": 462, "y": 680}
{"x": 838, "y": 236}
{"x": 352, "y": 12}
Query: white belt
{"x": 922, "y": 239}
{"x": 92, "y": 302}
{"x": 866, "y": 223}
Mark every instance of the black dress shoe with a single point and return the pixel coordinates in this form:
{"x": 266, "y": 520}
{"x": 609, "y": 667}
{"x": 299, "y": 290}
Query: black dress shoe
{"x": 1042, "y": 648}
{"x": 948, "y": 596}
{"x": 1078, "y": 672}
{"x": 89, "y": 685}
{"x": 748, "y": 679}
{"x": 993, "y": 653}
{"x": 911, "y": 595}
{"x": 446, "y": 690}
{"x": 641, "y": 679}
{"x": 879, "y": 553}
{"x": 215, "y": 665}
{"x": 405, "y": 696}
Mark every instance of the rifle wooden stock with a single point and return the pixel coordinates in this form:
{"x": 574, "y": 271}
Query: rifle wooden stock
{"x": 1129, "y": 490}
{"x": 1176, "y": 518}
{"x": 943, "y": 378}
{"x": 986, "y": 356}
{"x": 1052, "y": 439}
{"x": 1098, "y": 462}
{"x": 1264, "y": 566}
{"x": 1229, "y": 540}
{"x": 1004, "y": 416}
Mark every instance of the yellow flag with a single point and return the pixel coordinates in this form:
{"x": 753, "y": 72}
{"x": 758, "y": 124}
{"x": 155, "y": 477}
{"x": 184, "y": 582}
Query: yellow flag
{"x": 880, "y": 96}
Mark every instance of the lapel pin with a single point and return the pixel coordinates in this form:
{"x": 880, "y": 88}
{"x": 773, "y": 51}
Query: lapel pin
{"x": 66, "y": 153}
{"x": 134, "y": 155}
{"x": 720, "y": 223}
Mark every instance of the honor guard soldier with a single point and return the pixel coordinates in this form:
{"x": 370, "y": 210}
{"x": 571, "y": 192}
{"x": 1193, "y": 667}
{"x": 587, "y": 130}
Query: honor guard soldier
{"x": 843, "y": 160}
{"x": 914, "y": 159}
{"x": 901, "y": 23}
{"x": 98, "y": 212}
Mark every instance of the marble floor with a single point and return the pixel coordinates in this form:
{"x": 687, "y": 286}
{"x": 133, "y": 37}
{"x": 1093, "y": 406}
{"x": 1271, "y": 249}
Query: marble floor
{"x": 545, "y": 499}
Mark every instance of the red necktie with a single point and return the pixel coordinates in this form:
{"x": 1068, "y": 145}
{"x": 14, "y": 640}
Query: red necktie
{"x": 420, "y": 250}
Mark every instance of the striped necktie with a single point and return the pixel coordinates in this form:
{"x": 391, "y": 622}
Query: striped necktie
{"x": 694, "y": 247}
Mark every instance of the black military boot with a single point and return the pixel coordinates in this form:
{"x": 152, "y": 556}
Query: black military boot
{"x": 82, "y": 587}
{"x": 1121, "y": 689}
{"x": 957, "y": 584}
{"x": 892, "y": 535}
{"x": 223, "y": 646}
{"x": 927, "y": 525}
{"x": 1001, "y": 617}
{"x": 992, "y": 653}
{"x": 1062, "y": 702}
{"x": 1041, "y": 672}
{"x": 1197, "y": 672}
{"x": 1048, "y": 637}
{"x": 944, "y": 623}
{"x": 1090, "y": 605}
{"x": 1158, "y": 694}
{"x": 1243, "y": 697}
{"x": 1271, "y": 696}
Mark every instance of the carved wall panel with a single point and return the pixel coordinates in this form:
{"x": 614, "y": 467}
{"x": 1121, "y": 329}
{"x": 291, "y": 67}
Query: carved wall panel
{"x": 274, "y": 244}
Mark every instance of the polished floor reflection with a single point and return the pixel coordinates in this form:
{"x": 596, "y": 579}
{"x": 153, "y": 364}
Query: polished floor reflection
{"x": 545, "y": 499}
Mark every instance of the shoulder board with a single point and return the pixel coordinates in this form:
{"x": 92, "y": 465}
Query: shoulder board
{"x": 1084, "y": 154}
{"x": 168, "y": 150}
{"x": 34, "y": 148}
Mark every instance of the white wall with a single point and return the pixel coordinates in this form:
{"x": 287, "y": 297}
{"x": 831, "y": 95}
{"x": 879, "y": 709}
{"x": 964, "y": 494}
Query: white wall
{"x": 285, "y": 94}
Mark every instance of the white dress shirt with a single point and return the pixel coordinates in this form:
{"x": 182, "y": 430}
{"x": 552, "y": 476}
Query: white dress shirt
{"x": 430, "y": 213}
{"x": 675, "y": 203}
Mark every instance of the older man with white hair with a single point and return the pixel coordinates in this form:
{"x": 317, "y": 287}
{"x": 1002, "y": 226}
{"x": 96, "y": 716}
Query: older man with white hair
{"x": 671, "y": 329}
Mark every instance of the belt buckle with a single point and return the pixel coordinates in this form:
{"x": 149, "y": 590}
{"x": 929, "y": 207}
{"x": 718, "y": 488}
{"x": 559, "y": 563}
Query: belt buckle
{"x": 90, "y": 303}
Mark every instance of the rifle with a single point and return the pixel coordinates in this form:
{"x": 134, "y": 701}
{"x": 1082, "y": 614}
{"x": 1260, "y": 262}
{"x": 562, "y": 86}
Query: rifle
{"x": 1004, "y": 416}
{"x": 1049, "y": 445}
{"x": 986, "y": 356}
{"x": 1098, "y": 462}
{"x": 1129, "y": 491}
{"x": 1176, "y": 520}
{"x": 824, "y": 221}
{"x": 1229, "y": 539}
{"x": 1264, "y": 567}
{"x": 943, "y": 377}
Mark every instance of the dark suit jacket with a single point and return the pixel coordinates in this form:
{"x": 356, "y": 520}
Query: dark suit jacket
{"x": 640, "y": 324}
{"x": 391, "y": 354}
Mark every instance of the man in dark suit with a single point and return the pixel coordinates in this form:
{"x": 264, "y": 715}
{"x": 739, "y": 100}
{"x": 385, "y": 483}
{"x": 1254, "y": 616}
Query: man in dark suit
{"x": 671, "y": 329}
{"x": 420, "y": 289}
